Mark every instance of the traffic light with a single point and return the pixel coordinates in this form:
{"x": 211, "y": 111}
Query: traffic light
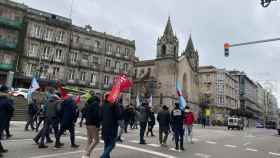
{"x": 226, "y": 47}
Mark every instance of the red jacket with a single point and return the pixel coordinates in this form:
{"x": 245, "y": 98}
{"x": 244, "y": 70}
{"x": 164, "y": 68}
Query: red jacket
{"x": 189, "y": 118}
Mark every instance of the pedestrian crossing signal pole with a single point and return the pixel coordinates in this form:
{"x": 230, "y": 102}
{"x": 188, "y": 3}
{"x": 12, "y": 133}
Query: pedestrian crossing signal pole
{"x": 227, "y": 45}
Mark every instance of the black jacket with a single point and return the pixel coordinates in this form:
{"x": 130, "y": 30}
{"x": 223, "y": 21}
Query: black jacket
{"x": 6, "y": 111}
{"x": 110, "y": 114}
{"x": 68, "y": 113}
{"x": 92, "y": 112}
{"x": 177, "y": 118}
{"x": 32, "y": 109}
{"x": 163, "y": 119}
{"x": 152, "y": 118}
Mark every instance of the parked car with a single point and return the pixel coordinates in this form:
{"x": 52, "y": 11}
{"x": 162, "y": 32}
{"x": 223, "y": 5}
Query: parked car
{"x": 235, "y": 123}
{"x": 20, "y": 92}
{"x": 259, "y": 125}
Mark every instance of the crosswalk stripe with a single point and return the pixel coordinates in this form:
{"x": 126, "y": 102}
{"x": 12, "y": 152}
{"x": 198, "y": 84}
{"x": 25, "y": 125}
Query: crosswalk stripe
{"x": 211, "y": 142}
{"x": 230, "y": 146}
{"x": 250, "y": 149}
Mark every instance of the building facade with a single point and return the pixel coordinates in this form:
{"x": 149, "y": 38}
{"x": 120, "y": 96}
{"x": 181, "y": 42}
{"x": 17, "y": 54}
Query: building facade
{"x": 219, "y": 92}
{"x": 157, "y": 78}
{"x": 54, "y": 49}
{"x": 248, "y": 96}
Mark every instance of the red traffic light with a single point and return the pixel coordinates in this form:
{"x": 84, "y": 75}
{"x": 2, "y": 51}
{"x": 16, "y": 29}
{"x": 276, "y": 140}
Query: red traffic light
{"x": 226, "y": 47}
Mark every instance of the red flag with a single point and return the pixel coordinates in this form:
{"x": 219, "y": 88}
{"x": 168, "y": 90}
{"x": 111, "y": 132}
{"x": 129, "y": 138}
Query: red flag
{"x": 120, "y": 83}
{"x": 63, "y": 93}
{"x": 78, "y": 99}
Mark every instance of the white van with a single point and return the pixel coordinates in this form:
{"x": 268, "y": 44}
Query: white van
{"x": 235, "y": 123}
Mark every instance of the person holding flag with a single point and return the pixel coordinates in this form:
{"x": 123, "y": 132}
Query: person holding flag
{"x": 33, "y": 87}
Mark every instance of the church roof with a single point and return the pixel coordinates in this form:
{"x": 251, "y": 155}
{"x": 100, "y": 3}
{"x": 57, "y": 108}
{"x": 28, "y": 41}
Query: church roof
{"x": 168, "y": 28}
{"x": 145, "y": 63}
{"x": 190, "y": 46}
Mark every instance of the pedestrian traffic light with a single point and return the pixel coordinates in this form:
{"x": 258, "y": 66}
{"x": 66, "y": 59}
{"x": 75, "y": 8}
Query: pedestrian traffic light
{"x": 226, "y": 47}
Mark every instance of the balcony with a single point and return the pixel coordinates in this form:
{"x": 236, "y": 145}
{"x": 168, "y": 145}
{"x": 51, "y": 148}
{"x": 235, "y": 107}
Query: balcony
{"x": 4, "y": 44}
{"x": 10, "y": 23}
{"x": 6, "y": 67}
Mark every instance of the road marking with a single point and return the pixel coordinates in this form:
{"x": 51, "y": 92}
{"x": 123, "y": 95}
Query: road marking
{"x": 134, "y": 141}
{"x": 195, "y": 139}
{"x": 173, "y": 149}
{"x": 211, "y": 142}
{"x": 59, "y": 154}
{"x": 275, "y": 154}
{"x": 202, "y": 155}
{"x": 251, "y": 149}
{"x": 16, "y": 140}
{"x": 154, "y": 145}
{"x": 230, "y": 146}
{"x": 248, "y": 143}
{"x": 136, "y": 149}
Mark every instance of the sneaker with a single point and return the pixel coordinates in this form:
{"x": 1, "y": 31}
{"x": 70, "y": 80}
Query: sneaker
{"x": 36, "y": 141}
{"x": 182, "y": 148}
{"x": 42, "y": 146}
{"x": 176, "y": 148}
{"x": 75, "y": 146}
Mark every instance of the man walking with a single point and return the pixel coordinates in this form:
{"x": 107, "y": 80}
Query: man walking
{"x": 92, "y": 115}
{"x": 188, "y": 123}
{"x": 163, "y": 119}
{"x": 31, "y": 112}
{"x": 68, "y": 114}
{"x": 110, "y": 115}
{"x": 151, "y": 122}
{"x": 143, "y": 119}
{"x": 177, "y": 119}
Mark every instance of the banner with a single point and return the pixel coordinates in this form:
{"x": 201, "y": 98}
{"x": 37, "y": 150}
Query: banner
{"x": 33, "y": 87}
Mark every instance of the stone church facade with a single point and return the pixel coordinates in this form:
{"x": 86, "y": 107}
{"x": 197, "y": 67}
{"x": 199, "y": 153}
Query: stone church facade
{"x": 158, "y": 77}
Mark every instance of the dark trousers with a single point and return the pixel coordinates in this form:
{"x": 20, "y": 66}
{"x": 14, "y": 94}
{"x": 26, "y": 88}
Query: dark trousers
{"x": 71, "y": 131}
{"x": 179, "y": 136}
{"x": 126, "y": 122}
{"x": 150, "y": 129}
{"x": 109, "y": 144}
{"x": 7, "y": 128}
{"x": 45, "y": 131}
{"x": 39, "y": 123}
{"x": 161, "y": 132}
{"x": 143, "y": 126}
{"x": 30, "y": 122}
{"x": 82, "y": 119}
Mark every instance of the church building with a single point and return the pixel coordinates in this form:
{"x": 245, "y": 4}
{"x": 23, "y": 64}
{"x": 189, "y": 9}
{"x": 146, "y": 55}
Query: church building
{"x": 157, "y": 78}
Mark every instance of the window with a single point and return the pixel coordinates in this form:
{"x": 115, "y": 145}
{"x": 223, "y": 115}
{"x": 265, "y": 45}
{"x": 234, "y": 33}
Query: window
{"x": 126, "y": 52}
{"x": 58, "y": 54}
{"x": 37, "y": 30}
{"x": 47, "y": 51}
{"x": 95, "y": 59}
{"x": 74, "y": 57}
{"x": 33, "y": 50}
{"x": 106, "y": 80}
{"x": 48, "y": 34}
{"x": 125, "y": 67}
{"x": 118, "y": 50}
{"x": 93, "y": 78}
{"x": 55, "y": 71}
{"x": 96, "y": 44}
{"x": 60, "y": 36}
{"x": 110, "y": 49}
{"x": 71, "y": 74}
{"x": 83, "y": 76}
{"x": 163, "y": 50}
{"x": 107, "y": 63}
{"x": 117, "y": 65}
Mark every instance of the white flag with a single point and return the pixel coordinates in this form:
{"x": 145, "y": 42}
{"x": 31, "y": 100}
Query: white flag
{"x": 33, "y": 87}
{"x": 151, "y": 101}
{"x": 137, "y": 101}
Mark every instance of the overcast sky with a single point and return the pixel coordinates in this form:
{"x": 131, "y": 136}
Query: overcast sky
{"x": 210, "y": 22}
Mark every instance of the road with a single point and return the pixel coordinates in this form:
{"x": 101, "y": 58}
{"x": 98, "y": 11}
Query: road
{"x": 211, "y": 142}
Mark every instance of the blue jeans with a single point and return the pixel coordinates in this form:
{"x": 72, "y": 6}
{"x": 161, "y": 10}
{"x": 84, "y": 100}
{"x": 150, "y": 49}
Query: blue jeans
{"x": 109, "y": 144}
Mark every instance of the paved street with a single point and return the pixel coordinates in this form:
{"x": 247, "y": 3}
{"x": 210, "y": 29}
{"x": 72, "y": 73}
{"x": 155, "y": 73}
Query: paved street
{"x": 211, "y": 142}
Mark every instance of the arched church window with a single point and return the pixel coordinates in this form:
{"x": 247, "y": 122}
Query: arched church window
{"x": 163, "y": 50}
{"x": 175, "y": 49}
